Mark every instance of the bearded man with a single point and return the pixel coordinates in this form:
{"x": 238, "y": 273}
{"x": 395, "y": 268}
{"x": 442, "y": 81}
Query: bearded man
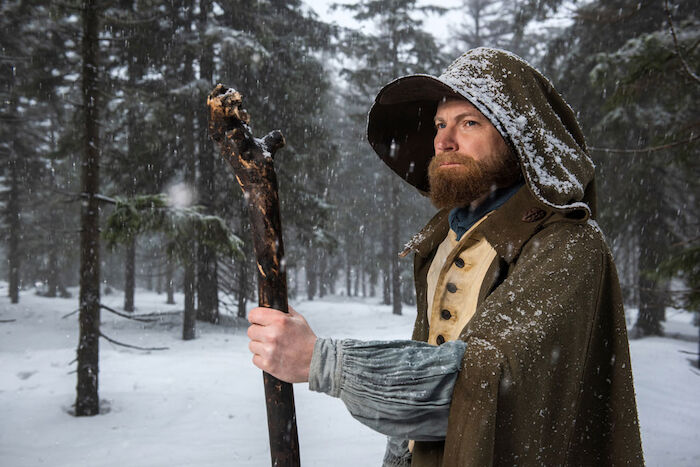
{"x": 519, "y": 353}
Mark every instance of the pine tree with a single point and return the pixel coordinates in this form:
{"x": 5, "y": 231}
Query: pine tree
{"x": 506, "y": 25}
{"x": 87, "y": 399}
{"x": 625, "y": 77}
{"x": 399, "y": 47}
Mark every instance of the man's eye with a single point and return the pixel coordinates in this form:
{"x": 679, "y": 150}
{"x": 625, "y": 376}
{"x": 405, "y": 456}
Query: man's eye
{"x": 439, "y": 125}
{"x": 470, "y": 123}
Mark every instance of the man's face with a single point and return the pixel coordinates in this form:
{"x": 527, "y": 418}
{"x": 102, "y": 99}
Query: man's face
{"x": 471, "y": 157}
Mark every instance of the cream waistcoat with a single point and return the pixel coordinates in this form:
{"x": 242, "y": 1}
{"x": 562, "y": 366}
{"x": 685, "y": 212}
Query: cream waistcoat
{"x": 454, "y": 281}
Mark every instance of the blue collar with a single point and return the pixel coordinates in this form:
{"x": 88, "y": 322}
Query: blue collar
{"x": 462, "y": 219}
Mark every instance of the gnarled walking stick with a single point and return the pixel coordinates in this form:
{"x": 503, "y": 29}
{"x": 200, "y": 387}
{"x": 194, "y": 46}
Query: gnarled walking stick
{"x": 252, "y": 162}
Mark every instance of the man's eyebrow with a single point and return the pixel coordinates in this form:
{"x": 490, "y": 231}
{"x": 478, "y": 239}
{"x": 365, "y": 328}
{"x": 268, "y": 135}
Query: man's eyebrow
{"x": 468, "y": 113}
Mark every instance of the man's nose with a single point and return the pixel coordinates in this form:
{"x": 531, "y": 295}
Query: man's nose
{"x": 445, "y": 141}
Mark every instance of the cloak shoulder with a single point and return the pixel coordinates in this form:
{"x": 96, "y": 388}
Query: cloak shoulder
{"x": 546, "y": 377}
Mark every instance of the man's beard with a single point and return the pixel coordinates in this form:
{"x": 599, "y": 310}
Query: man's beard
{"x": 457, "y": 187}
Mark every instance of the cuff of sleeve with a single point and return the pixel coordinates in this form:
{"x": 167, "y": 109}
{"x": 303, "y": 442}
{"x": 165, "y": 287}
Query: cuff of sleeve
{"x": 325, "y": 372}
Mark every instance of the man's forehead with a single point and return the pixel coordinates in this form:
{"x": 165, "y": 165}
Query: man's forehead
{"x": 462, "y": 105}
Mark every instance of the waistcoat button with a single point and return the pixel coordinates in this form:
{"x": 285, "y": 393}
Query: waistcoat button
{"x": 445, "y": 314}
{"x": 440, "y": 340}
{"x": 451, "y": 287}
{"x": 459, "y": 262}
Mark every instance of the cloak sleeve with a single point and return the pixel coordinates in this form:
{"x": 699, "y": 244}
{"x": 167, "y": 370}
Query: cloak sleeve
{"x": 538, "y": 348}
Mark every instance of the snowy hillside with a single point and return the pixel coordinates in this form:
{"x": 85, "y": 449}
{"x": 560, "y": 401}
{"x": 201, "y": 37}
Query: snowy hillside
{"x": 200, "y": 403}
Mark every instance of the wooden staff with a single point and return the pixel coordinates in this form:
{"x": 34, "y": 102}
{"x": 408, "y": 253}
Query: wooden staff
{"x": 252, "y": 162}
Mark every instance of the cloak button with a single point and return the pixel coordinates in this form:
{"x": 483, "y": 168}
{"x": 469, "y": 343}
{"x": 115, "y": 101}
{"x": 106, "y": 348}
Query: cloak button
{"x": 440, "y": 340}
{"x": 533, "y": 215}
{"x": 451, "y": 287}
{"x": 459, "y": 262}
{"x": 445, "y": 314}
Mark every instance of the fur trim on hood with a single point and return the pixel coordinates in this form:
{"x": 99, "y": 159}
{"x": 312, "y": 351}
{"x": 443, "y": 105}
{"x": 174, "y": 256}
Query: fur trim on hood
{"x": 521, "y": 103}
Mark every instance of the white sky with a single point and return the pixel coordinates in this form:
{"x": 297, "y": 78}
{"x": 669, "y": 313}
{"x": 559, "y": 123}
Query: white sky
{"x": 437, "y": 24}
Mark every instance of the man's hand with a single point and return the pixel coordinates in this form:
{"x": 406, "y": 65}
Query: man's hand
{"x": 282, "y": 343}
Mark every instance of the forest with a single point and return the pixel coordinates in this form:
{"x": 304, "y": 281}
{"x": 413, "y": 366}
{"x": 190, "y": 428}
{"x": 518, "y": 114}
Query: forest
{"x": 109, "y": 181}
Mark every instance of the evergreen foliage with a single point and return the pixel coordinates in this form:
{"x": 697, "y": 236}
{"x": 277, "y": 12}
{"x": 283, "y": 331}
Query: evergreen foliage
{"x": 636, "y": 101}
{"x": 154, "y": 214}
{"x": 345, "y": 215}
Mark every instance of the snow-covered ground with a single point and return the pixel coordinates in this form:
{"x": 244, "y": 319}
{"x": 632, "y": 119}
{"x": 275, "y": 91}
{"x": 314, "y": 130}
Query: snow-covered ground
{"x": 200, "y": 403}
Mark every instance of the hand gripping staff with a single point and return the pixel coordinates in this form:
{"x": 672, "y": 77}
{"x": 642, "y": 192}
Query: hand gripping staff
{"x": 252, "y": 162}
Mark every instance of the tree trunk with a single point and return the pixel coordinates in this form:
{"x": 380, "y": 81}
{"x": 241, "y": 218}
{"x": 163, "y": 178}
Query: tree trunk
{"x": 207, "y": 285}
{"x": 386, "y": 244}
{"x": 149, "y": 277}
{"x": 52, "y": 274}
{"x": 169, "y": 288}
{"x": 190, "y": 316}
{"x": 242, "y": 289}
{"x": 13, "y": 213}
{"x": 159, "y": 281}
{"x": 356, "y": 288}
{"x": 363, "y": 274}
{"x": 296, "y": 282}
{"x": 393, "y": 253}
{"x": 322, "y": 276}
{"x": 348, "y": 274}
{"x": 13, "y": 208}
{"x": 189, "y": 260}
{"x": 207, "y": 274}
{"x": 243, "y": 263}
{"x": 332, "y": 278}
{"x": 243, "y": 285}
{"x": 87, "y": 400}
{"x": 129, "y": 274}
{"x": 651, "y": 290}
{"x": 310, "y": 278}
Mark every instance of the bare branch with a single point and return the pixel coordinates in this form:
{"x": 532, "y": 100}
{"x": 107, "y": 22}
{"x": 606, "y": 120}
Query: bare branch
{"x": 123, "y": 315}
{"x": 685, "y": 242}
{"x": 7, "y": 320}
{"x": 69, "y": 314}
{"x": 75, "y": 196}
{"x": 690, "y": 72}
{"x": 131, "y": 346}
{"x": 647, "y": 149}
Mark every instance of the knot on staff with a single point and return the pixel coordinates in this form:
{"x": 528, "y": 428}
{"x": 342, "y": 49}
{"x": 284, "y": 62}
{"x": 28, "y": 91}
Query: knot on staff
{"x": 229, "y": 120}
{"x": 252, "y": 161}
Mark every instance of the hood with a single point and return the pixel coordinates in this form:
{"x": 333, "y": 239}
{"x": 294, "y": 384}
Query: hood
{"x": 521, "y": 103}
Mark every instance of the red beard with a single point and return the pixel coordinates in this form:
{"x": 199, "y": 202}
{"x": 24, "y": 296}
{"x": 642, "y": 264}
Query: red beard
{"x": 459, "y": 186}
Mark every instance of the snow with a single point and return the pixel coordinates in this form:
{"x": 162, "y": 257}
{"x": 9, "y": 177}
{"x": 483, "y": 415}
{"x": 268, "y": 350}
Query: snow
{"x": 201, "y": 402}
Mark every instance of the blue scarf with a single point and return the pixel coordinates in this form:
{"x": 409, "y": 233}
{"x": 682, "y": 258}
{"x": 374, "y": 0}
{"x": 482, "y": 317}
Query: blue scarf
{"x": 461, "y": 219}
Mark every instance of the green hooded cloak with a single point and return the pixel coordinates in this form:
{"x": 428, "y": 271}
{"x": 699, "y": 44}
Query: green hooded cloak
{"x": 546, "y": 376}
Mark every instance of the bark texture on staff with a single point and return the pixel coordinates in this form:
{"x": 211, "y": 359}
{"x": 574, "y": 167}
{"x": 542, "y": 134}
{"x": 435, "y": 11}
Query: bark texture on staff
{"x": 252, "y": 162}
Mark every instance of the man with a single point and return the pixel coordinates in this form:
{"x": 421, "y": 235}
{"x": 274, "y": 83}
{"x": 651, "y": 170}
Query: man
{"x": 520, "y": 353}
